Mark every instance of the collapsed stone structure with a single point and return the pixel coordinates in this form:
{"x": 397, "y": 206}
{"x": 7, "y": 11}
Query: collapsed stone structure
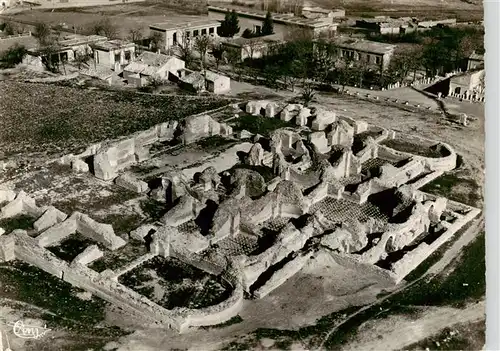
{"x": 335, "y": 184}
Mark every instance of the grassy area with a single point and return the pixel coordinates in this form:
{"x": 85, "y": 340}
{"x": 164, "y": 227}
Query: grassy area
{"x": 29, "y": 284}
{"x": 443, "y": 289}
{"x": 455, "y": 187}
{"x": 118, "y": 258}
{"x": 446, "y": 288}
{"x": 416, "y": 149}
{"x": 469, "y": 336}
{"x": 172, "y": 283}
{"x": 44, "y": 117}
{"x": 123, "y": 223}
{"x": 259, "y": 124}
{"x": 68, "y": 249}
{"x": 234, "y": 320}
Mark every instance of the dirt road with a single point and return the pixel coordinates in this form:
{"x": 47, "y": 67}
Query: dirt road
{"x": 397, "y": 332}
{"x": 447, "y": 258}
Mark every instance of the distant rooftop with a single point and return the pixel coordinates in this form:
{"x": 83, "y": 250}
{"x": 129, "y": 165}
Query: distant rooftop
{"x": 189, "y": 22}
{"x": 364, "y": 45}
{"x": 113, "y": 45}
{"x": 476, "y": 57}
{"x": 284, "y": 18}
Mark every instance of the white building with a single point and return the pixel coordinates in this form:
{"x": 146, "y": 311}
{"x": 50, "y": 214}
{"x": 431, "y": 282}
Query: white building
{"x": 174, "y": 33}
{"x": 114, "y": 54}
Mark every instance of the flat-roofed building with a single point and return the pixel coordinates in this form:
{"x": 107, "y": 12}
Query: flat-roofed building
{"x": 67, "y": 48}
{"x": 283, "y": 22}
{"x": 114, "y": 54}
{"x": 253, "y": 47}
{"x": 474, "y": 61}
{"x": 175, "y": 32}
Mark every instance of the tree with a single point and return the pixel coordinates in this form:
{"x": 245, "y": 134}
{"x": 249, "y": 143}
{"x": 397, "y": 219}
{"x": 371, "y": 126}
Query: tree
{"x": 82, "y": 59}
{"x": 42, "y": 33}
{"x": 234, "y": 57}
{"x": 218, "y": 53}
{"x": 324, "y": 58}
{"x": 155, "y": 40}
{"x": 267, "y": 25}
{"x": 202, "y": 44}
{"x": 13, "y": 56}
{"x": 10, "y": 28}
{"x": 184, "y": 49}
{"x": 230, "y": 25}
{"x": 135, "y": 34}
{"x": 106, "y": 28}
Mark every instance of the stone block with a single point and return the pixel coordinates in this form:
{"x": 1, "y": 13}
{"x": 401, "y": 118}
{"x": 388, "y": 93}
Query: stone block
{"x": 2, "y": 231}
{"x": 319, "y": 140}
{"x": 51, "y": 217}
{"x": 79, "y": 166}
{"x": 141, "y": 232}
{"x": 130, "y": 182}
{"x": 245, "y": 134}
{"x": 166, "y": 131}
{"x": 58, "y": 232}
{"x": 66, "y": 160}
{"x": 90, "y": 254}
{"x": 7, "y": 245}
{"x": 360, "y": 127}
{"x": 303, "y": 116}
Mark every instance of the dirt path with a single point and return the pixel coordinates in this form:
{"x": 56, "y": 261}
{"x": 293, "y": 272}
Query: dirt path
{"x": 397, "y": 332}
{"x": 450, "y": 254}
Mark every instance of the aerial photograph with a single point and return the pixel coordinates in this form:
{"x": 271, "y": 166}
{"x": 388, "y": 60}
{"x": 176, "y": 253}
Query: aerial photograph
{"x": 198, "y": 175}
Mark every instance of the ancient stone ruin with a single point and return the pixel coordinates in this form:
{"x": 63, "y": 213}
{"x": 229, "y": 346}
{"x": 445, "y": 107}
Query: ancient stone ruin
{"x": 333, "y": 184}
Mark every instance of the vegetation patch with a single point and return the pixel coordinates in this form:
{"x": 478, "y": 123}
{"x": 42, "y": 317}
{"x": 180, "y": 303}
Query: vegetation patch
{"x": 118, "y": 258}
{"x": 29, "y": 284}
{"x": 22, "y": 221}
{"x": 455, "y": 187}
{"x": 123, "y": 224}
{"x": 172, "y": 283}
{"x": 57, "y": 117}
{"x": 71, "y": 247}
{"x": 469, "y": 336}
{"x": 413, "y": 148}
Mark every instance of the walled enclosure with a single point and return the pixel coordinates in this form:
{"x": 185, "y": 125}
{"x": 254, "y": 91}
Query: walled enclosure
{"x": 332, "y": 184}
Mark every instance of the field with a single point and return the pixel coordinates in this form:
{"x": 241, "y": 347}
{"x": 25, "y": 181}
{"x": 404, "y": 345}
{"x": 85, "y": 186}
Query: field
{"x": 50, "y": 119}
{"x": 464, "y": 10}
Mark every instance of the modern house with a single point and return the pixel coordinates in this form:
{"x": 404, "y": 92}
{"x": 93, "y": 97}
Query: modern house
{"x": 252, "y": 47}
{"x": 174, "y": 32}
{"x": 315, "y": 12}
{"x": 387, "y": 25}
{"x": 475, "y": 61}
{"x": 205, "y": 81}
{"x": 150, "y": 64}
{"x": 66, "y": 49}
{"x": 468, "y": 85}
{"x": 283, "y": 22}
{"x": 374, "y": 54}
{"x": 114, "y": 54}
